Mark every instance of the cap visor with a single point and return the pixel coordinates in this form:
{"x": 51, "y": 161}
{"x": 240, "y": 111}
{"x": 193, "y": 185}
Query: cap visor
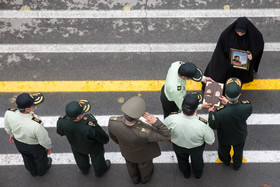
{"x": 198, "y": 75}
{"x": 85, "y": 104}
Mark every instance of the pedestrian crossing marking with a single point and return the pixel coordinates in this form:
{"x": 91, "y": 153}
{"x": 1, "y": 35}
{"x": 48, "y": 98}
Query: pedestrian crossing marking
{"x": 155, "y": 13}
{"x": 116, "y": 86}
{"x": 119, "y": 48}
{"x": 254, "y": 119}
{"x": 231, "y": 155}
{"x": 166, "y": 157}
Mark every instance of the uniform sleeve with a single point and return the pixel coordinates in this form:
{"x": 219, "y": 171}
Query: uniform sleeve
{"x": 43, "y": 137}
{"x": 112, "y": 135}
{"x": 213, "y": 121}
{"x": 59, "y": 129}
{"x": 209, "y": 136}
{"x": 7, "y": 125}
{"x": 160, "y": 133}
{"x": 99, "y": 134}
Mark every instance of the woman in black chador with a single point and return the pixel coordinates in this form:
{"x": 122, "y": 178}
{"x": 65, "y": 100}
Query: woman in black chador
{"x": 242, "y": 35}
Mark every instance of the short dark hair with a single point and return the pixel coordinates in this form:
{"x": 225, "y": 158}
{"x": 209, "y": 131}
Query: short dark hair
{"x": 188, "y": 111}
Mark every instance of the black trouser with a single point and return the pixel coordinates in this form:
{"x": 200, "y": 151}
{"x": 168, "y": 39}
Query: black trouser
{"x": 224, "y": 154}
{"x": 98, "y": 162}
{"x": 196, "y": 159}
{"x": 34, "y": 157}
{"x": 167, "y": 106}
{"x": 140, "y": 171}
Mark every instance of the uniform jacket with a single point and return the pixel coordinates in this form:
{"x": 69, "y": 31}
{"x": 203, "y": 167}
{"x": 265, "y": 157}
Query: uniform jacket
{"x": 85, "y": 136}
{"x": 230, "y": 122}
{"x": 138, "y": 143}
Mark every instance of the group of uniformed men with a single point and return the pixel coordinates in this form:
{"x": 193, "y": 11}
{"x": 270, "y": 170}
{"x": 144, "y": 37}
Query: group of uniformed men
{"x": 137, "y": 140}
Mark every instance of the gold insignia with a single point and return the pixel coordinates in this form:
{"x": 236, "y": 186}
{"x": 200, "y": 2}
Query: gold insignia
{"x": 179, "y": 88}
{"x": 220, "y": 107}
{"x": 229, "y": 81}
{"x": 144, "y": 130}
{"x": 12, "y": 109}
{"x": 203, "y": 120}
{"x": 62, "y": 117}
{"x": 213, "y": 117}
{"x": 173, "y": 113}
{"x": 182, "y": 63}
{"x": 245, "y": 102}
{"x": 37, "y": 120}
{"x": 114, "y": 118}
{"x": 91, "y": 124}
{"x": 238, "y": 82}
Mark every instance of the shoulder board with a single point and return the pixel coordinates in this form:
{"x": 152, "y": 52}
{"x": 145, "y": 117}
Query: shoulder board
{"x": 220, "y": 107}
{"x": 173, "y": 113}
{"x": 12, "y": 109}
{"x": 182, "y": 62}
{"x": 62, "y": 117}
{"x": 203, "y": 120}
{"x": 115, "y": 119}
{"x": 37, "y": 120}
{"x": 245, "y": 102}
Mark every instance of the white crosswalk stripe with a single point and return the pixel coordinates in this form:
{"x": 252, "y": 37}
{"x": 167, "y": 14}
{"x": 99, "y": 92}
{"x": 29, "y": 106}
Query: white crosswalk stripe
{"x": 260, "y": 156}
{"x": 254, "y": 119}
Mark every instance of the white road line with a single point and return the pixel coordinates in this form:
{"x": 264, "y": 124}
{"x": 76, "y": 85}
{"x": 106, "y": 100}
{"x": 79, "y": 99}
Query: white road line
{"x": 254, "y": 119}
{"x": 118, "y": 48}
{"x": 173, "y": 13}
{"x": 263, "y": 156}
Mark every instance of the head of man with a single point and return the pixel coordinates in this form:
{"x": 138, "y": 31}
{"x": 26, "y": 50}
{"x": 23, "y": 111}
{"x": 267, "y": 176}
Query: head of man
{"x": 237, "y": 58}
{"x": 233, "y": 89}
{"x": 75, "y": 110}
{"x": 28, "y": 102}
{"x": 133, "y": 108}
{"x": 190, "y": 71}
{"x": 190, "y": 104}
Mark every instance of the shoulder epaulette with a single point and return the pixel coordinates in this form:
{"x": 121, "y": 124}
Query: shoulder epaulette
{"x": 62, "y": 117}
{"x": 37, "y": 120}
{"x": 245, "y": 102}
{"x": 12, "y": 109}
{"x": 115, "y": 119}
{"x": 173, "y": 113}
{"x": 203, "y": 120}
{"x": 143, "y": 129}
{"x": 220, "y": 107}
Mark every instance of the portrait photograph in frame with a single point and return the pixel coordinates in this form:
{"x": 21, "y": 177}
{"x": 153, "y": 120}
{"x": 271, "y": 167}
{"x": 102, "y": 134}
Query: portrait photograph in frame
{"x": 239, "y": 59}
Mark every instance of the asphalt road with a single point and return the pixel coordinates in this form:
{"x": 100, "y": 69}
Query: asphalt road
{"x": 130, "y": 66}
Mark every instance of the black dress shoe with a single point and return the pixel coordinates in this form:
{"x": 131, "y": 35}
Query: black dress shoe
{"x": 187, "y": 175}
{"x": 48, "y": 167}
{"x": 108, "y": 163}
{"x": 198, "y": 176}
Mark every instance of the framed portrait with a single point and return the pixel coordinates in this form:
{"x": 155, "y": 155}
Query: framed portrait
{"x": 239, "y": 59}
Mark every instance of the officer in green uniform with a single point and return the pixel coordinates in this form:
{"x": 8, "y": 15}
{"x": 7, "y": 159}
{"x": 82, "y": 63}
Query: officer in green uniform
{"x": 138, "y": 140}
{"x": 230, "y": 122}
{"x": 174, "y": 89}
{"x": 189, "y": 133}
{"x": 85, "y": 136}
{"x": 27, "y": 131}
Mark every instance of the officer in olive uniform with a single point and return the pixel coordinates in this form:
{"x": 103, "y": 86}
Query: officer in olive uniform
{"x": 174, "y": 89}
{"x": 138, "y": 140}
{"x": 85, "y": 136}
{"x": 189, "y": 133}
{"x": 27, "y": 131}
{"x": 230, "y": 122}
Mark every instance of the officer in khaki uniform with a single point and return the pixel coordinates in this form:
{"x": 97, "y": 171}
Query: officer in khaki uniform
{"x": 230, "y": 122}
{"x": 189, "y": 133}
{"x": 85, "y": 136}
{"x": 27, "y": 131}
{"x": 138, "y": 140}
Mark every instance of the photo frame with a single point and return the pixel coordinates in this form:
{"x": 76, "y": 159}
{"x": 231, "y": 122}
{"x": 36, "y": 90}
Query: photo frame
{"x": 239, "y": 59}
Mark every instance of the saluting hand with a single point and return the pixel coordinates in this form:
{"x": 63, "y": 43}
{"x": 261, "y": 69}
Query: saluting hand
{"x": 150, "y": 118}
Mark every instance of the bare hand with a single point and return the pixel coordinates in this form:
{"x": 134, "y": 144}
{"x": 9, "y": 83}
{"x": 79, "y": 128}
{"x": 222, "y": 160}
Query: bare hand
{"x": 208, "y": 79}
{"x": 206, "y": 105}
{"x": 250, "y": 57}
{"x": 49, "y": 151}
{"x": 150, "y": 118}
{"x": 11, "y": 139}
{"x": 223, "y": 100}
{"x": 212, "y": 109}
